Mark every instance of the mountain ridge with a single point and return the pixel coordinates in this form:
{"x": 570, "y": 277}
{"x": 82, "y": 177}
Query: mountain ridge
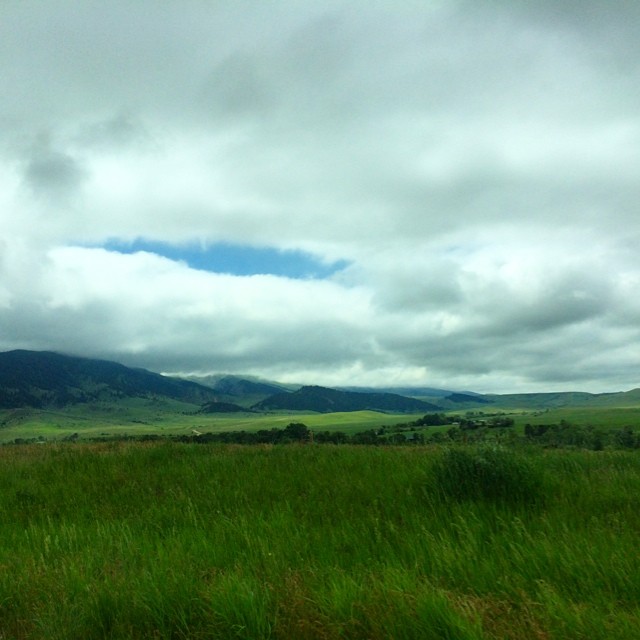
{"x": 327, "y": 400}
{"x": 46, "y": 378}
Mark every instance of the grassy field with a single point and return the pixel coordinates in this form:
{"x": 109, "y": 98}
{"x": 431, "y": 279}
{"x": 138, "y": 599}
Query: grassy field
{"x": 141, "y": 417}
{"x": 608, "y": 417}
{"x": 167, "y": 540}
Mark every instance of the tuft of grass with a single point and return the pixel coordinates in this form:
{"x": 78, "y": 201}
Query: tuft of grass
{"x": 490, "y": 473}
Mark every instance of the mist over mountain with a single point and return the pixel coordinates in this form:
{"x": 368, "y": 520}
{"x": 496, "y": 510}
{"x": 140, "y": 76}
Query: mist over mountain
{"x": 42, "y": 379}
{"x": 238, "y": 386}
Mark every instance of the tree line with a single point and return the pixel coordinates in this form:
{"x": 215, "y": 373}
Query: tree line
{"x": 474, "y": 428}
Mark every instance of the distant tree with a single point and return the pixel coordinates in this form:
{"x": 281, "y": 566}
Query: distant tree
{"x": 501, "y": 422}
{"x": 297, "y": 431}
{"x": 432, "y": 420}
{"x": 365, "y": 437}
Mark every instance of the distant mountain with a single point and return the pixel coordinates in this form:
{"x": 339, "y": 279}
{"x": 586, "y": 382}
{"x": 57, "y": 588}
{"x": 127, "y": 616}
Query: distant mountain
{"x": 411, "y": 392}
{"x": 464, "y": 401}
{"x": 460, "y": 398}
{"x": 242, "y": 390}
{"x": 325, "y": 400}
{"x": 42, "y": 379}
{"x": 233, "y": 385}
{"x": 237, "y": 386}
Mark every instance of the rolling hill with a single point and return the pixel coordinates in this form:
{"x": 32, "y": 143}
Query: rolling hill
{"x": 558, "y": 400}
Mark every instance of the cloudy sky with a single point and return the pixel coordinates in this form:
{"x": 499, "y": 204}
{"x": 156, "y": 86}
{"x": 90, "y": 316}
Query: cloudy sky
{"x": 440, "y": 193}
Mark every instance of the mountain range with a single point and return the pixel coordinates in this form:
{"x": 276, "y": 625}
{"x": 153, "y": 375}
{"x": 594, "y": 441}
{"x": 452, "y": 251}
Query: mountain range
{"x": 42, "y": 379}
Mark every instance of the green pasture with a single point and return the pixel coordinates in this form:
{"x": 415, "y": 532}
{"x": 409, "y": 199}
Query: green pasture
{"x": 602, "y": 417}
{"x": 139, "y": 418}
{"x": 169, "y": 540}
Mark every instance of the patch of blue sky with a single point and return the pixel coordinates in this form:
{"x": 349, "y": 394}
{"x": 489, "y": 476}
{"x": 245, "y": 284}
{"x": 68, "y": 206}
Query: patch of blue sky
{"x": 236, "y": 259}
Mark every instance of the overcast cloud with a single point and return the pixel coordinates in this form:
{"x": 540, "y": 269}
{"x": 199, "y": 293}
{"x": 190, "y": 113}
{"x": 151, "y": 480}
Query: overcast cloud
{"x": 472, "y": 168}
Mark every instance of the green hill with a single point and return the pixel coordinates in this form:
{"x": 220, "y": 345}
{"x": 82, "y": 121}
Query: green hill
{"x": 542, "y": 401}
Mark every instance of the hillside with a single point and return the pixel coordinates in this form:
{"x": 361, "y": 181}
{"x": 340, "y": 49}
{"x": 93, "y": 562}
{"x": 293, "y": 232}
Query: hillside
{"x": 325, "y": 400}
{"x": 221, "y": 407}
{"x": 410, "y": 392}
{"x": 236, "y": 386}
{"x": 543, "y": 401}
{"x": 45, "y": 379}
{"x": 465, "y": 401}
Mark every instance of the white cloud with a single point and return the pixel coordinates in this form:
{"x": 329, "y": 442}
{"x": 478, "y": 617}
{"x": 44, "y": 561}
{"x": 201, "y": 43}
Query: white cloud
{"x": 146, "y": 307}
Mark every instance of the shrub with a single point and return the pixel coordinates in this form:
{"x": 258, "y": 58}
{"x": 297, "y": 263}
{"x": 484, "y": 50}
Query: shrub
{"x": 488, "y": 473}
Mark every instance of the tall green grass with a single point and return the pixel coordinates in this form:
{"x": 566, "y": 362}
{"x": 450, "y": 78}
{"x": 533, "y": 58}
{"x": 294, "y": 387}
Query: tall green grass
{"x": 162, "y": 540}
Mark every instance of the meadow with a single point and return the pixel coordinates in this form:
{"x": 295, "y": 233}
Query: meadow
{"x": 137, "y": 417}
{"x": 169, "y": 540}
{"x": 140, "y": 417}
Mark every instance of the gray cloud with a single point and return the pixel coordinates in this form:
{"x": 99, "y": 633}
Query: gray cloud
{"x": 118, "y": 132}
{"x": 51, "y": 173}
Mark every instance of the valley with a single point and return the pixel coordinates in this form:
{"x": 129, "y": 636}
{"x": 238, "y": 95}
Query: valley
{"x": 52, "y": 397}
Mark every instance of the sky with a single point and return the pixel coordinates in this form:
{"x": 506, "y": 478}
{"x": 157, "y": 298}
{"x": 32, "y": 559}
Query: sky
{"x": 376, "y": 193}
